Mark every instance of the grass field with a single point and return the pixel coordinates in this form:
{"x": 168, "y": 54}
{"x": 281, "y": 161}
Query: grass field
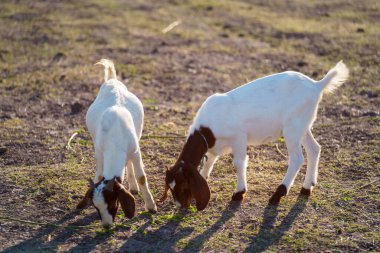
{"x": 47, "y": 82}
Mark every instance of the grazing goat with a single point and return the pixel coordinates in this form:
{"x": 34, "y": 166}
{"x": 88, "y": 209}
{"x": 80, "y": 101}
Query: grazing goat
{"x": 255, "y": 113}
{"x": 115, "y": 121}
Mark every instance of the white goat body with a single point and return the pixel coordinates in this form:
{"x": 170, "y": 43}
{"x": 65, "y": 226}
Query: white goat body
{"x": 115, "y": 121}
{"x": 255, "y": 113}
{"x": 263, "y": 110}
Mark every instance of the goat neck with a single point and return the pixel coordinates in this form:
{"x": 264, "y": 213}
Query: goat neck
{"x": 196, "y": 146}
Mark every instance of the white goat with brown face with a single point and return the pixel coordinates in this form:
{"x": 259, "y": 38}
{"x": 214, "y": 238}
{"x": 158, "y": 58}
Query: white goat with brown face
{"x": 115, "y": 121}
{"x": 255, "y": 113}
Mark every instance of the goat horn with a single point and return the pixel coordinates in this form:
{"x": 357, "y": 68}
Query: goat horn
{"x": 165, "y": 195}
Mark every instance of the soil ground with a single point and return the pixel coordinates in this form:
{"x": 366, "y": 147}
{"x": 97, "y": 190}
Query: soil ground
{"x": 47, "y": 82}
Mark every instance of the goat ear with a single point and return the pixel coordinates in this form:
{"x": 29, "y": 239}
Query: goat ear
{"x": 199, "y": 189}
{"x": 109, "y": 185}
{"x": 86, "y": 199}
{"x": 127, "y": 202}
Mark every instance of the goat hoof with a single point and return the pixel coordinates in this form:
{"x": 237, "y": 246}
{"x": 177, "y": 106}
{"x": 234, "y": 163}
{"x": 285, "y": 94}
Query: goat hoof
{"x": 274, "y": 200}
{"x": 276, "y": 197}
{"x": 238, "y": 196}
{"x": 152, "y": 211}
{"x": 305, "y": 192}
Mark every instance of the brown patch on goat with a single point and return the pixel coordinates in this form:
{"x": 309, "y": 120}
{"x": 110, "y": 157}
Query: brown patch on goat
{"x": 110, "y": 196}
{"x": 238, "y": 196}
{"x": 305, "y": 192}
{"x": 208, "y": 134}
{"x": 276, "y": 197}
{"x": 181, "y": 191}
{"x": 195, "y": 147}
{"x": 189, "y": 183}
{"x": 142, "y": 180}
{"x": 111, "y": 200}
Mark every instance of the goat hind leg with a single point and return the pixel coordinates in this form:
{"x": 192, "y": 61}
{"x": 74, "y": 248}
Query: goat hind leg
{"x": 99, "y": 165}
{"x": 313, "y": 150}
{"x": 133, "y": 186}
{"x": 295, "y": 162}
{"x": 240, "y": 160}
{"x": 143, "y": 183}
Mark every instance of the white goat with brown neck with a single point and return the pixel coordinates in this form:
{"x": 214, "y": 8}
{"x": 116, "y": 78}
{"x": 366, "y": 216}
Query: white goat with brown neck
{"x": 255, "y": 113}
{"x": 115, "y": 121}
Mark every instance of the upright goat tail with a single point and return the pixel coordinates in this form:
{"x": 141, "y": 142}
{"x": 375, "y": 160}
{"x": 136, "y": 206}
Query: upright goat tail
{"x": 334, "y": 78}
{"x": 109, "y": 69}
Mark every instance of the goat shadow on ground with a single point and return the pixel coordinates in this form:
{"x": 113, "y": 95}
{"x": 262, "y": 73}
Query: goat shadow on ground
{"x": 196, "y": 244}
{"x": 162, "y": 240}
{"x": 40, "y": 243}
{"x": 269, "y": 234}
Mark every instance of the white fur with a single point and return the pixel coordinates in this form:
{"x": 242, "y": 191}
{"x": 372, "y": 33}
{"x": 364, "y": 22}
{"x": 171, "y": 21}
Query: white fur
{"x": 263, "y": 110}
{"x": 115, "y": 121}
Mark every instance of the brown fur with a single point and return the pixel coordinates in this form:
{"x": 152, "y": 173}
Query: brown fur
{"x": 189, "y": 183}
{"x": 238, "y": 196}
{"x": 113, "y": 193}
{"x": 305, "y": 192}
{"x": 195, "y": 147}
{"x": 127, "y": 202}
{"x": 112, "y": 204}
{"x": 280, "y": 192}
{"x": 142, "y": 180}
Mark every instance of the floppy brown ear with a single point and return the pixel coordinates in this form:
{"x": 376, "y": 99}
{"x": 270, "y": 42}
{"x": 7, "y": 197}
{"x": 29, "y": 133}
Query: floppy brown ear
{"x": 127, "y": 202}
{"x": 86, "y": 199}
{"x": 199, "y": 189}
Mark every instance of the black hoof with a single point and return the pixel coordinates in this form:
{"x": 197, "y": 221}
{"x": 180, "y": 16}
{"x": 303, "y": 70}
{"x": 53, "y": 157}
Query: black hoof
{"x": 152, "y": 211}
{"x": 238, "y": 196}
{"x": 276, "y": 197}
{"x": 305, "y": 192}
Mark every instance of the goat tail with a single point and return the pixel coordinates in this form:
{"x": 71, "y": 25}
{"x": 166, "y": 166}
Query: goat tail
{"x": 109, "y": 69}
{"x": 334, "y": 78}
